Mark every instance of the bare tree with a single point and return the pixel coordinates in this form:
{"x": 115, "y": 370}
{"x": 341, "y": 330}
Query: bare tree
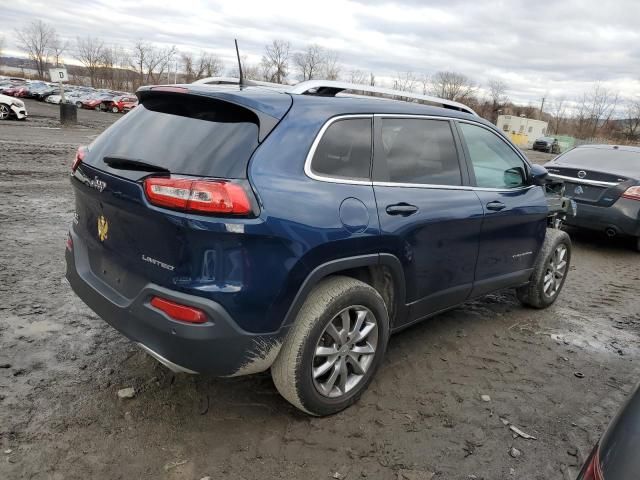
{"x": 358, "y": 77}
{"x": 595, "y": 110}
{"x": 207, "y": 65}
{"x": 58, "y": 47}
{"x": 138, "y": 59}
{"x": 35, "y": 40}
{"x": 631, "y": 123}
{"x": 331, "y": 67}
{"x": 150, "y": 62}
{"x": 498, "y": 98}
{"x": 558, "y": 114}
{"x": 90, "y": 53}
{"x": 452, "y": 86}
{"x": 275, "y": 61}
{"x": 114, "y": 69}
{"x": 405, "y": 82}
{"x": 210, "y": 64}
{"x": 310, "y": 62}
{"x": 249, "y": 70}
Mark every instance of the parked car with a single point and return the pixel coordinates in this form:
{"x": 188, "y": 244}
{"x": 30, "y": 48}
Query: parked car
{"x": 123, "y": 104}
{"x": 12, "y": 107}
{"x": 288, "y": 241}
{"x": 98, "y": 102}
{"x": 547, "y": 144}
{"x": 615, "y": 457}
{"x": 15, "y": 91}
{"x": 55, "y": 99}
{"x": 604, "y": 181}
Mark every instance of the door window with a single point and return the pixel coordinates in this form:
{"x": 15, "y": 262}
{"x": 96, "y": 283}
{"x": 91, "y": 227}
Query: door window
{"x": 419, "y": 151}
{"x": 345, "y": 150}
{"x": 495, "y": 164}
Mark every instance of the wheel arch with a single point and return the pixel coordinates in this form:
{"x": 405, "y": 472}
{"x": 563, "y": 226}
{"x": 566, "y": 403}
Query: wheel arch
{"x": 382, "y": 271}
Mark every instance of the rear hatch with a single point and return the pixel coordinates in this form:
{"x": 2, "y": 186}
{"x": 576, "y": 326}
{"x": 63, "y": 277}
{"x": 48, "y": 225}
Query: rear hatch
{"x": 134, "y": 236}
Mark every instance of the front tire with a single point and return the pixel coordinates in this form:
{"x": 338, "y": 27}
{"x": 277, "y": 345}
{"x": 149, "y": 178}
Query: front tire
{"x": 115, "y": 109}
{"x": 549, "y": 272}
{"x": 334, "y": 348}
{"x": 4, "y": 112}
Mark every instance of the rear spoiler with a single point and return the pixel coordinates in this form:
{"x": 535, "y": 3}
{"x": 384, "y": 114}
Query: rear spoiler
{"x": 269, "y": 113}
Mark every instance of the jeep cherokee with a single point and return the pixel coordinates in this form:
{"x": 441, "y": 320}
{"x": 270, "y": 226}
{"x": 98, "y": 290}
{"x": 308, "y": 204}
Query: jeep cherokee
{"x": 233, "y": 229}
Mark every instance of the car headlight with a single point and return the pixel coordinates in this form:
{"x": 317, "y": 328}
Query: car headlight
{"x": 17, "y": 103}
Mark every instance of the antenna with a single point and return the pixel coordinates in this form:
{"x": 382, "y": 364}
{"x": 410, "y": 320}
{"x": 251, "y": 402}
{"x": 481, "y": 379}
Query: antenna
{"x": 239, "y": 64}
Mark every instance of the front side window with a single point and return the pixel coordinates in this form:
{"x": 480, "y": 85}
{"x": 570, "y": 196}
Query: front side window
{"x": 495, "y": 164}
{"x": 344, "y": 150}
{"x": 417, "y": 151}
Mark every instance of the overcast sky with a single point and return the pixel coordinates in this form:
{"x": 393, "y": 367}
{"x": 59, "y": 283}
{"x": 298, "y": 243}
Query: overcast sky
{"x": 537, "y": 47}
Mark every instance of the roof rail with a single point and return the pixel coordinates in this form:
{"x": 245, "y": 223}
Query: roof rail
{"x": 331, "y": 88}
{"x": 236, "y": 81}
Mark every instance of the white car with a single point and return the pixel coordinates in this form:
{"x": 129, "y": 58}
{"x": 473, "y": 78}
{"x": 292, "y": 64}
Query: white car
{"x": 10, "y": 106}
{"x": 53, "y": 99}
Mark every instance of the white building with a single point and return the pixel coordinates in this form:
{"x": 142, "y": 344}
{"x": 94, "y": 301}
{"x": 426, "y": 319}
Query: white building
{"x": 523, "y": 131}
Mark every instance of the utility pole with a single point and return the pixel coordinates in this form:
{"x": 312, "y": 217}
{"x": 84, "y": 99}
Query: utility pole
{"x": 541, "y": 107}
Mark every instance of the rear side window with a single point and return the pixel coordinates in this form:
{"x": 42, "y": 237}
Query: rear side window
{"x": 344, "y": 150}
{"x": 185, "y": 134}
{"x": 417, "y": 151}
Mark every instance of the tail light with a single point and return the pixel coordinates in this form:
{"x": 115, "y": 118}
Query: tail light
{"x": 69, "y": 243}
{"x": 179, "y": 312}
{"x": 80, "y": 154}
{"x": 592, "y": 469}
{"x": 632, "y": 193}
{"x": 198, "y": 195}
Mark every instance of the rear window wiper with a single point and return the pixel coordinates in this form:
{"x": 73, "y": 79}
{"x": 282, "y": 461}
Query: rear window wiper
{"x": 132, "y": 164}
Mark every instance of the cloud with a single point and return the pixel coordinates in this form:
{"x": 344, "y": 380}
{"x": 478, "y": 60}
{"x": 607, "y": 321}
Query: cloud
{"x": 538, "y": 48}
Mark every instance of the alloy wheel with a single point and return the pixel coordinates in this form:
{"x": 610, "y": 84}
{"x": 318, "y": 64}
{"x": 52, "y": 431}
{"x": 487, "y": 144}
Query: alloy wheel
{"x": 345, "y": 351}
{"x": 556, "y": 270}
{"x": 4, "y": 112}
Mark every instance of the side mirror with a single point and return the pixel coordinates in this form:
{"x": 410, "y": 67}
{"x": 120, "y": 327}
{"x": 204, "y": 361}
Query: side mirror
{"x": 539, "y": 175}
{"x": 514, "y": 177}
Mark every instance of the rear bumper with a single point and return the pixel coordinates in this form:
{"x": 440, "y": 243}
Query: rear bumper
{"x": 623, "y": 216}
{"x": 219, "y": 347}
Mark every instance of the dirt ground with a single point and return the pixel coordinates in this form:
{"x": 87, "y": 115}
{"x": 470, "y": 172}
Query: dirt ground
{"x": 422, "y": 418}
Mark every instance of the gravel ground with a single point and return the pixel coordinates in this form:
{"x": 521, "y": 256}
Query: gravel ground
{"x": 422, "y": 418}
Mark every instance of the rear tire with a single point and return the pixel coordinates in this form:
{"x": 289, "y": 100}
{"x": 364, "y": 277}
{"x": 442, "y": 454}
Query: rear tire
{"x": 334, "y": 347}
{"x": 115, "y": 109}
{"x": 549, "y": 272}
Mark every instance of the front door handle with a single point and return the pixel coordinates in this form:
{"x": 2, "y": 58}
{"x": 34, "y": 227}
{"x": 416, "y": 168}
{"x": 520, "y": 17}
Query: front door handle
{"x": 496, "y": 206}
{"x": 403, "y": 209}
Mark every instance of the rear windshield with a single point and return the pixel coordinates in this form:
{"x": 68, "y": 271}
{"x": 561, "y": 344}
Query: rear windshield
{"x": 603, "y": 158}
{"x": 185, "y": 134}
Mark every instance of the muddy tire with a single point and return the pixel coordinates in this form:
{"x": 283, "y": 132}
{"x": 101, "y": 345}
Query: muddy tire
{"x": 549, "y": 272}
{"x": 334, "y": 347}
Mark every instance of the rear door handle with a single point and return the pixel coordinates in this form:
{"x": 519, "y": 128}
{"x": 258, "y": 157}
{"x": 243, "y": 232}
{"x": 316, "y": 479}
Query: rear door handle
{"x": 496, "y": 206}
{"x": 403, "y": 209}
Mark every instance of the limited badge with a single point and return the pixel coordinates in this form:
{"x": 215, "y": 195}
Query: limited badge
{"x": 103, "y": 228}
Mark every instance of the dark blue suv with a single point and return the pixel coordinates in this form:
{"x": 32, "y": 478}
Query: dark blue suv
{"x": 233, "y": 229}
